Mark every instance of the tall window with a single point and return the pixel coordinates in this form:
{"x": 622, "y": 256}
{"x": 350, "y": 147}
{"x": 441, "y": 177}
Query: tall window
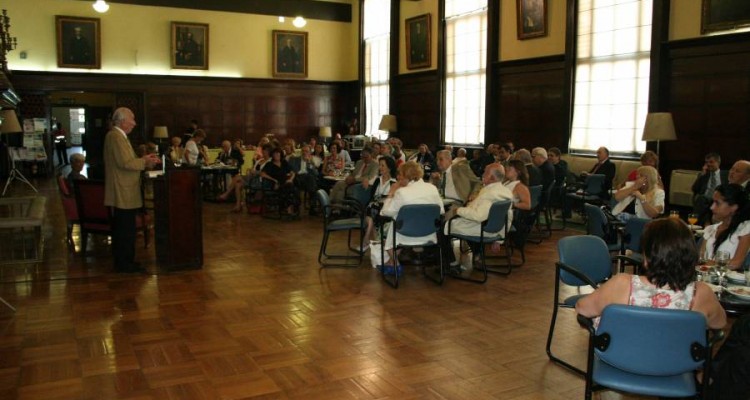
{"x": 612, "y": 75}
{"x": 377, "y": 37}
{"x": 466, "y": 60}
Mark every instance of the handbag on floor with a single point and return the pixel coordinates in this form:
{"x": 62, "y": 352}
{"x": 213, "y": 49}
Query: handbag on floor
{"x": 375, "y": 254}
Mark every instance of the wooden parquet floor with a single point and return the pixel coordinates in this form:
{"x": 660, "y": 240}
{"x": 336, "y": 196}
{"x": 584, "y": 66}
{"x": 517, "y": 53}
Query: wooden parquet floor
{"x": 261, "y": 320}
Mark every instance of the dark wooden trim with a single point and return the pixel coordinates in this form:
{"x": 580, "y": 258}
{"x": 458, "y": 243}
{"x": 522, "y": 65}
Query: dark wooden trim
{"x": 709, "y": 41}
{"x": 570, "y": 67}
{"x": 493, "y": 55}
{"x": 659, "y": 35}
{"x": 395, "y": 53}
{"x": 361, "y": 114}
{"x": 322, "y": 10}
{"x": 531, "y": 64}
{"x": 441, "y": 68}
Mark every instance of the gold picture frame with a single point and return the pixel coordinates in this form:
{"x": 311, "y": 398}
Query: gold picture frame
{"x": 724, "y": 15}
{"x": 418, "y": 44}
{"x": 189, "y": 45}
{"x": 289, "y": 54}
{"x": 531, "y": 19}
{"x": 78, "y": 42}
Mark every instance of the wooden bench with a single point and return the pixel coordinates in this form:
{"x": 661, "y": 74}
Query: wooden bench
{"x": 21, "y": 220}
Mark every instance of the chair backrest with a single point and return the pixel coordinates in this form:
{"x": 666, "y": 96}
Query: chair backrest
{"x": 633, "y": 230}
{"x": 588, "y": 254}
{"x": 416, "y": 220}
{"x": 358, "y": 193}
{"x": 497, "y": 218}
{"x": 90, "y": 200}
{"x": 68, "y": 200}
{"x": 651, "y": 341}
{"x": 536, "y": 195}
{"x": 594, "y": 184}
{"x": 596, "y": 221}
{"x": 325, "y": 203}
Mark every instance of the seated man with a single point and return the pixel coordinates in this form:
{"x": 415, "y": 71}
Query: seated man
{"x": 703, "y": 188}
{"x": 539, "y": 158}
{"x": 230, "y": 155}
{"x": 306, "y": 174}
{"x": 455, "y": 181}
{"x": 604, "y": 167}
{"x": 469, "y": 218}
{"x": 365, "y": 172}
{"x": 740, "y": 173}
{"x": 535, "y": 174}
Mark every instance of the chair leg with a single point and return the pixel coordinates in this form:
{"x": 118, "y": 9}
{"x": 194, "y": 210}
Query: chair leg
{"x": 441, "y": 272}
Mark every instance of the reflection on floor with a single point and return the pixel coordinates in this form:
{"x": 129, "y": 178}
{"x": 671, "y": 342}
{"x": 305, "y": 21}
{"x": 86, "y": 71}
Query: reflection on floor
{"x": 261, "y": 320}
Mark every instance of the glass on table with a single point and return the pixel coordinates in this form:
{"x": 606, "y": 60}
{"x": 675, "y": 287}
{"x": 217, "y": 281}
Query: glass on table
{"x": 674, "y": 214}
{"x": 721, "y": 265}
{"x": 692, "y": 219}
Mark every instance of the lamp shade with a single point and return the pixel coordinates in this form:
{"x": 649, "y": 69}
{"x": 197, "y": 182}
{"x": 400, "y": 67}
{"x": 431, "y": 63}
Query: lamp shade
{"x": 160, "y": 132}
{"x": 10, "y": 122}
{"x": 388, "y": 123}
{"x": 659, "y": 127}
{"x": 325, "y": 131}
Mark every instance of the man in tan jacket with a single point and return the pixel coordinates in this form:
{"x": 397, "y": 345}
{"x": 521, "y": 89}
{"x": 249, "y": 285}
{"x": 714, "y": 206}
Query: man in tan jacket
{"x": 122, "y": 188}
{"x": 455, "y": 181}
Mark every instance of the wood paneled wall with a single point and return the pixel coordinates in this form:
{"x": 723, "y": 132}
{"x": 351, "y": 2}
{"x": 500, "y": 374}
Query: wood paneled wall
{"x": 225, "y": 107}
{"x": 530, "y": 109}
{"x": 417, "y": 101}
{"x": 708, "y": 93}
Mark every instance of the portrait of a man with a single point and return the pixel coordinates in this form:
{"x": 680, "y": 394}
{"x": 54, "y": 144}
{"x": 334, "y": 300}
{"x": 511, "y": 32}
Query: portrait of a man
{"x": 289, "y": 54}
{"x": 77, "y": 42}
{"x": 418, "y": 42}
{"x": 532, "y": 18}
{"x": 189, "y": 45}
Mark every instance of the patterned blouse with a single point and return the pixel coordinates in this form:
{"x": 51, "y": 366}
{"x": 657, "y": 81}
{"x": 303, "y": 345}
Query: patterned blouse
{"x": 646, "y": 295}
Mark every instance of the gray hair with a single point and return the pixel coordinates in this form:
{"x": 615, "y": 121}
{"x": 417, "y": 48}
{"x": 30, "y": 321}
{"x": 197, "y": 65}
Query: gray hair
{"x": 497, "y": 171}
{"x": 120, "y": 114}
{"x": 445, "y": 153}
{"x": 77, "y": 157}
{"x": 539, "y": 151}
{"x": 523, "y": 155}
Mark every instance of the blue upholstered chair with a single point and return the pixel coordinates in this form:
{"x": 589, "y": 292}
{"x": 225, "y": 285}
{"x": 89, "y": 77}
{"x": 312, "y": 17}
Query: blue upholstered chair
{"x": 648, "y": 351}
{"x": 496, "y": 223}
{"x": 584, "y": 261}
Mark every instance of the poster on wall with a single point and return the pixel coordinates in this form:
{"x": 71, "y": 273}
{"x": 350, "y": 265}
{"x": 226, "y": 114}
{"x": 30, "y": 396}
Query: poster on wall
{"x": 289, "y": 54}
{"x": 189, "y": 45}
{"x": 78, "y": 42}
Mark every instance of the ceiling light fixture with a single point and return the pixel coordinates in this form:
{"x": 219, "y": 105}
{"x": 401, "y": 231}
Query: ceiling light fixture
{"x": 101, "y": 6}
{"x": 299, "y": 22}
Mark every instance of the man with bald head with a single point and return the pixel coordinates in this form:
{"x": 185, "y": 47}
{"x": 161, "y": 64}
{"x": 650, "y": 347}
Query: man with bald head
{"x": 470, "y": 217}
{"x": 740, "y": 173}
{"x": 122, "y": 188}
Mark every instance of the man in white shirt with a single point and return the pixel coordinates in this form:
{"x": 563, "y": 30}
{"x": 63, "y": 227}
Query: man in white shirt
{"x": 470, "y": 217}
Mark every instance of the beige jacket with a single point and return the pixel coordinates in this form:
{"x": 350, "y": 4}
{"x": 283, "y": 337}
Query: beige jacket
{"x": 122, "y": 172}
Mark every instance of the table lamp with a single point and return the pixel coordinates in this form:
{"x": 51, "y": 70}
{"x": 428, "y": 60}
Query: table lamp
{"x": 325, "y": 134}
{"x": 160, "y": 132}
{"x": 388, "y": 123}
{"x": 659, "y": 127}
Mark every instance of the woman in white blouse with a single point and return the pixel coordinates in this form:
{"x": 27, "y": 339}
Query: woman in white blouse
{"x": 410, "y": 189}
{"x": 642, "y": 198}
{"x": 379, "y": 191}
{"x": 731, "y": 232}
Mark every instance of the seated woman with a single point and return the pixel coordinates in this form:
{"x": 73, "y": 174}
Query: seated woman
{"x": 277, "y": 171}
{"x": 319, "y": 155}
{"x": 642, "y": 198}
{"x": 410, "y": 189}
{"x": 517, "y": 179}
{"x": 648, "y": 158}
{"x": 670, "y": 256}
{"x": 378, "y": 192}
{"x": 251, "y": 179}
{"x": 731, "y": 232}
{"x": 176, "y": 152}
{"x": 334, "y": 163}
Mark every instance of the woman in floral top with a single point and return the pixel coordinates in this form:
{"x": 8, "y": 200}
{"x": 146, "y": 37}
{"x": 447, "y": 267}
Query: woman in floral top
{"x": 670, "y": 257}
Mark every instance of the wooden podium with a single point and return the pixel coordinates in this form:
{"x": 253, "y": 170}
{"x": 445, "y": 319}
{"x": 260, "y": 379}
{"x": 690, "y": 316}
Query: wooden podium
{"x": 178, "y": 219}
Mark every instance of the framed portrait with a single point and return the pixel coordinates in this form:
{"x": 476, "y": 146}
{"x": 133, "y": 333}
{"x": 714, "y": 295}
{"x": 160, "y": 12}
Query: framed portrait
{"x": 532, "y": 18}
{"x": 289, "y": 54}
{"x": 724, "y": 15}
{"x": 189, "y": 45}
{"x": 418, "y": 46}
{"x": 78, "y": 42}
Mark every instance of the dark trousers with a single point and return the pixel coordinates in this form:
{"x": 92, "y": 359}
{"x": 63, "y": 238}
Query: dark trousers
{"x": 62, "y": 153}
{"x": 123, "y": 238}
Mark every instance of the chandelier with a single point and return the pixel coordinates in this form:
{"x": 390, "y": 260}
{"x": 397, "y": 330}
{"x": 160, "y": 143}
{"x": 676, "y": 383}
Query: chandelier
{"x": 7, "y": 43}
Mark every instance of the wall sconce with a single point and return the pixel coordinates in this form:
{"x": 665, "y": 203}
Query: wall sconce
{"x": 101, "y": 6}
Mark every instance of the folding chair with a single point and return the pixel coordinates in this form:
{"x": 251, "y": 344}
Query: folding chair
{"x": 648, "y": 351}
{"x": 584, "y": 261}
{"x": 331, "y": 225}
{"x": 413, "y": 220}
{"x": 497, "y": 222}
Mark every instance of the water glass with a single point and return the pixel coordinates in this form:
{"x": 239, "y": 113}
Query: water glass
{"x": 722, "y": 260}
